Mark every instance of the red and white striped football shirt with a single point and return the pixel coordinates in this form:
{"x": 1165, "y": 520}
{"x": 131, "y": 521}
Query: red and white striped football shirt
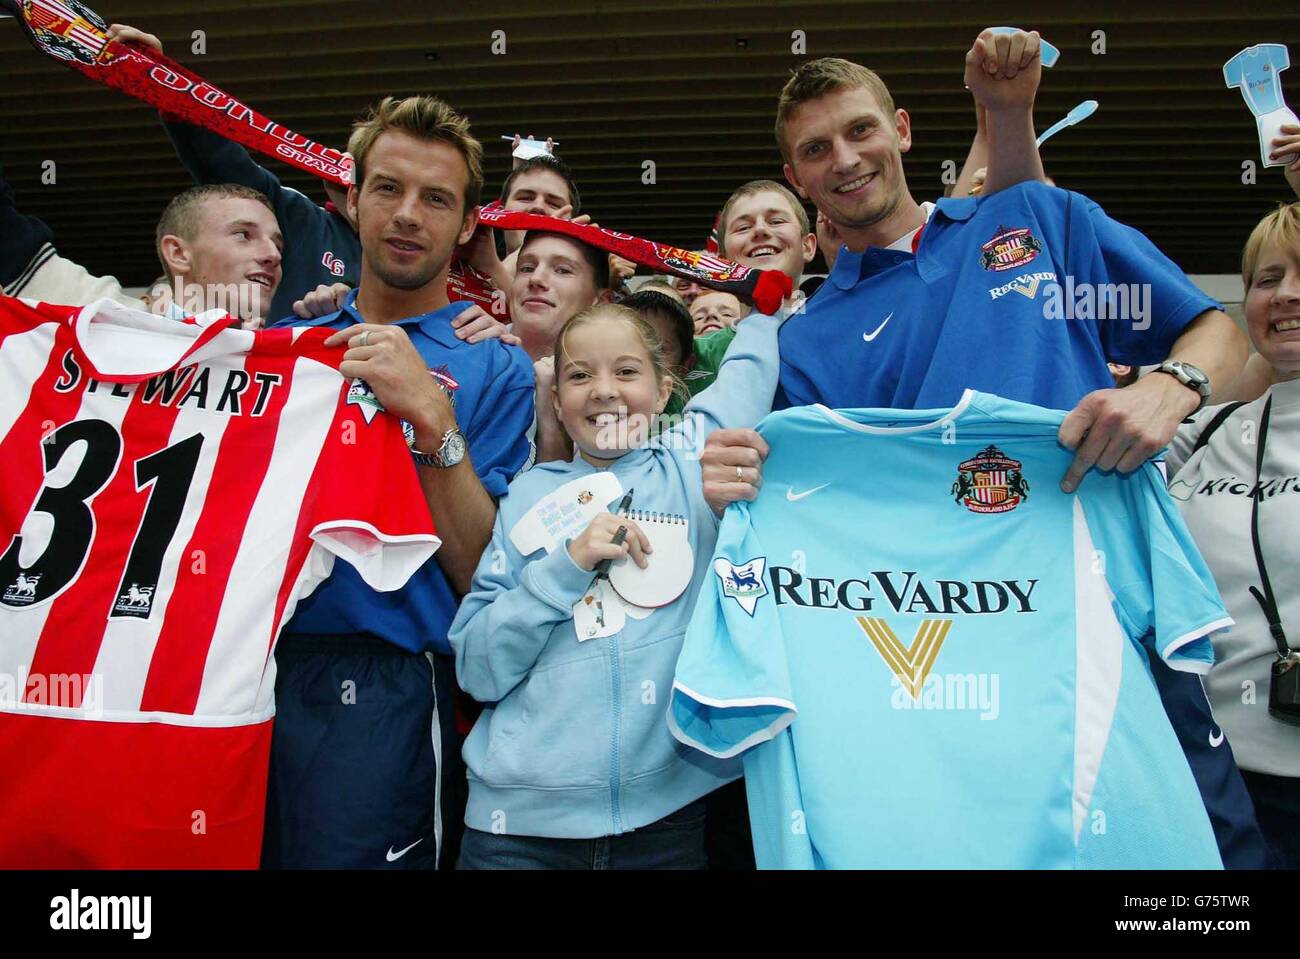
{"x": 171, "y": 490}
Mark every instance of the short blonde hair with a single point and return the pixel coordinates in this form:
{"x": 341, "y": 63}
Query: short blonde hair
{"x": 614, "y": 312}
{"x": 181, "y": 217}
{"x": 427, "y": 118}
{"x": 752, "y": 188}
{"x": 1281, "y": 228}
{"x": 816, "y": 78}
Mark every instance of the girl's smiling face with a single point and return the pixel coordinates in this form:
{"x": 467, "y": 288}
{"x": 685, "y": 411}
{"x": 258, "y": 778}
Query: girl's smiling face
{"x": 608, "y": 387}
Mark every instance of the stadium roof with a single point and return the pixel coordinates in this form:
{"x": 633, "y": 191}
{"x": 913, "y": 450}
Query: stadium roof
{"x": 688, "y": 84}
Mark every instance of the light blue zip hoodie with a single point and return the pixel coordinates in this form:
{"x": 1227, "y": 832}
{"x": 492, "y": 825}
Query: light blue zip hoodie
{"x": 574, "y": 742}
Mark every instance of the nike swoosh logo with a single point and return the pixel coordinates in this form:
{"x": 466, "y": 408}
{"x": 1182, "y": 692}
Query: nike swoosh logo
{"x": 394, "y": 856}
{"x": 1216, "y": 742}
{"x": 794, "y": 497}
{"x": 871, "y": 336}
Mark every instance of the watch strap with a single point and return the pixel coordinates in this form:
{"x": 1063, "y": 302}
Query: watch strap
{"x": 439, "y": 458}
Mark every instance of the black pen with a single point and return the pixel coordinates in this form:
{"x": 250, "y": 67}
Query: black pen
{"x": 602, "y": 568}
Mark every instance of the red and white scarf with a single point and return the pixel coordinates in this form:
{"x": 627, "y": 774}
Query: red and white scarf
{"x": 70, "y": 31}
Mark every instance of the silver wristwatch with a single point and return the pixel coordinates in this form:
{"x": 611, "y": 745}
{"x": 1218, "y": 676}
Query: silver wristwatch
{"x": 1190, "y": 376}
{"x": 451, "y": 452}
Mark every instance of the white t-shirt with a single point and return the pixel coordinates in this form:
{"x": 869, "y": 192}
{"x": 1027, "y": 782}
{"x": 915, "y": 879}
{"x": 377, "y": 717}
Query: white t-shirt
{"x": 1214, "y": 489}
{"x": 905, "y": 241}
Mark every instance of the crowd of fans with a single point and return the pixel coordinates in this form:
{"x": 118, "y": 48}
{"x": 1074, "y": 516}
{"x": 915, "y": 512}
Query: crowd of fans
{"x": 588, "y": 348}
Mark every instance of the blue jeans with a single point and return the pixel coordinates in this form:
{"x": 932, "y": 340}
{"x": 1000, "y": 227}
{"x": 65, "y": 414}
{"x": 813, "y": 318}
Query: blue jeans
{"x": 674, "y": 842}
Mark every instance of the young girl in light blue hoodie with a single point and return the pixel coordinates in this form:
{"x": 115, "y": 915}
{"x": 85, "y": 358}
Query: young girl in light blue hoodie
{"x": 571, "y": 764}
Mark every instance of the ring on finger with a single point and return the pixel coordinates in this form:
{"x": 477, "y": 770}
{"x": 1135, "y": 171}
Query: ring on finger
{"x": 740, "y": 475}
{"x": 365, "y": 338}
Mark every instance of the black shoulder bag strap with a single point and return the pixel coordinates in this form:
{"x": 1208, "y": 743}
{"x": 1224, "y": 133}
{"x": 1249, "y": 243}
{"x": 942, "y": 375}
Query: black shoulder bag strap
{"x": 1267, "y": 601}
{"x": 1213, "y": 425}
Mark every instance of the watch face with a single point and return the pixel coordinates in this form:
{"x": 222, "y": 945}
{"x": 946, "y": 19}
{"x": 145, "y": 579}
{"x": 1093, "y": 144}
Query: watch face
{"x": 1189, "y": 375}
{"x": 454, "y": 450}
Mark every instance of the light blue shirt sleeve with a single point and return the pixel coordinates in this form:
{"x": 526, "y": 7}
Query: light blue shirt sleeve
{"x": 778, "y": 819}
{"x": 506, "y": 619}
{"x": 1232, "y": 70}
{"x": 746, "y": 382}
{"x": 732, "y": 687}
{"x": 1164, "y": 594}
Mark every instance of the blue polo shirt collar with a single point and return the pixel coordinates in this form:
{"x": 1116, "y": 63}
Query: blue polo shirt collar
{"x": 962, "y": 208}
{"x": 852, "y": 268}
{"x": 435, "y": 325}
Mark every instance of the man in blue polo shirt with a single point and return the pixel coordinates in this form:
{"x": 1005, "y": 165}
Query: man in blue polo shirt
{"x": 364, "y": 729}
{"x": 1025, "y": 292}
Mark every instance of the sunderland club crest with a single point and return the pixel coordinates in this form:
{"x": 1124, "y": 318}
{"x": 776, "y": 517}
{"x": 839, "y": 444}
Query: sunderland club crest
{"x": 446, "y": 382}
{"x": 990, "y": 482}
{"x": 703, "y": 266}
{"x": 67, "y": 29}
{"x": 1009, "y": 249}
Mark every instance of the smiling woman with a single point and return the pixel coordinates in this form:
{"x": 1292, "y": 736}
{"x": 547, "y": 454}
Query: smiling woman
{"x": 1236, "y": 477}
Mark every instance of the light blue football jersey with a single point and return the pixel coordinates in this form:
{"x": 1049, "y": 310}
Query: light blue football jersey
{"x": 1257, "y": 71}
{"x": 931, "y": 657}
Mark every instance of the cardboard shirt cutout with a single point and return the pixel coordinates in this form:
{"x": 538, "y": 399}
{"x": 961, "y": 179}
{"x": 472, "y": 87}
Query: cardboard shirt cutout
{"x": 1257, "y": 72}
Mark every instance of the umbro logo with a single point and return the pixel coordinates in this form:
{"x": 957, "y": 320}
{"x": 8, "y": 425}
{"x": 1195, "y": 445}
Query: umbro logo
{"x": 876, "y": 332}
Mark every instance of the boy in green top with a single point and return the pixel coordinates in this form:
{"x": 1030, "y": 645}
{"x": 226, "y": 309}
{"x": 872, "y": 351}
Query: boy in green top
{"x": 714, "y": 311}
{"x": 707, "y": 353}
